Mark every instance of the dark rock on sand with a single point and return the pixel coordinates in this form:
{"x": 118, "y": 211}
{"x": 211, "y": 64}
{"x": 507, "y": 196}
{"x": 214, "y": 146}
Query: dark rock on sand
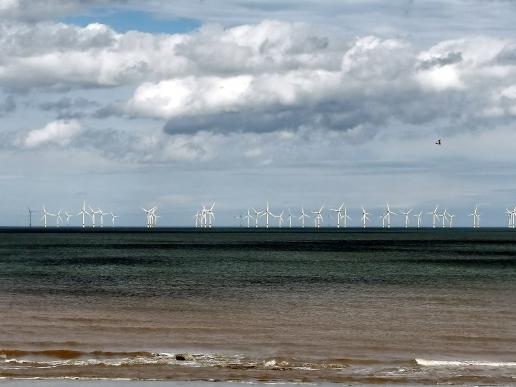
{"x": 184, "y": 357}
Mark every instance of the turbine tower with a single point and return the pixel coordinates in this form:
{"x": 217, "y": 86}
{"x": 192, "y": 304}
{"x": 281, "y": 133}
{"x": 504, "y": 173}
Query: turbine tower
{"x": 257, "y": 215}
{"x": 388, "y": 214}
{"x": 113, "y": 218}
{"x": 339, "y": 213}
{"x": 346, "y": 217}
{"x": 365, "y": 217}
{"x": 267, "y": 213}
{"x": 435, "y": 216}
{"x": 30, "y": 215}
{"x": 83, "y": 213}
{"x": 93, "y": 213}
{"x": 302, "y": 217}
{"x": 45, "y": 216}
{"x": 68, "y": 217}
{"x": 407, "y": 214}
{"x": 210, "y": 215}
{"x": 318, "y": 218}
{"x": 289, "y": 218}
{"x": 476, "y": 217}
{"x": 418, "y": 216}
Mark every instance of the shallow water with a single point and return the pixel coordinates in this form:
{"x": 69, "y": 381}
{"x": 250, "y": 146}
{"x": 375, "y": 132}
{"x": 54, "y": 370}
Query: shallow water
{"x": 375, "y": 306}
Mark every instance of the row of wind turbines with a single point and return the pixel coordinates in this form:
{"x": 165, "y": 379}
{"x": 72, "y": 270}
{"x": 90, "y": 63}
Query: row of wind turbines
{"x": 84, "y": 213}
{"x": 205, "y": 217}
{"x": 439, "y": 219}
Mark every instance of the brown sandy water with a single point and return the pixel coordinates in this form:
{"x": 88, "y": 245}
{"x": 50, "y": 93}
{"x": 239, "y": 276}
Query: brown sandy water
{"x": 350, "y": 307}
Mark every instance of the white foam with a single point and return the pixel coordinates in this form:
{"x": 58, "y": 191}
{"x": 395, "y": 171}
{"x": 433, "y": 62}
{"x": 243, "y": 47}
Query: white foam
{"x": 464, "y": 363}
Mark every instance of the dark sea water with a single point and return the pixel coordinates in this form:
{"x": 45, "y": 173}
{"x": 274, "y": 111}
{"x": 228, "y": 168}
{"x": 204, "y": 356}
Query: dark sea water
{"x": 352, "y": 306}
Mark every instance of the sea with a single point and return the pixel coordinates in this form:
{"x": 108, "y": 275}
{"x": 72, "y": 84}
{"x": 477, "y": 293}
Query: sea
{"x": 258, "y": 306}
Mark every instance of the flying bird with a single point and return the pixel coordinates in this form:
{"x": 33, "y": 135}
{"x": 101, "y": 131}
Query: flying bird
{"x": 438, "y": 142}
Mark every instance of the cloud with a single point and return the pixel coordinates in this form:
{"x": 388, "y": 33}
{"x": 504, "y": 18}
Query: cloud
{"x": 59, "y": 133}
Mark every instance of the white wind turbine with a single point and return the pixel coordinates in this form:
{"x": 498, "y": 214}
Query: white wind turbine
{"x": 338, "y": 211}
{"x": 289, "y": 218}
{"x": 365, "y": 217}
{"x": 257, "y": 215}
{"x": 450, "y": 219}
{"x": 113, "y": 218}
{"x": 407, "y": 214}
{"x": 444, "y": 217}
{"x": 59, "y": 219}
{"x": 149, "y": 217}
{"x": 435, "y": 216}
{"x": 280, "y": 219}
{"x": 510, "y": 218}
{"x": 93, "y": 213}
{"x": 318, "y": 218}
{"x": 418, "y": 217}
{"x": 267, "y": 213}
{"x": 101, "y": 216}
{"x": 68, "y": 217}
{"x": 240, "y": 219}
{"x": 45, "y": 216}
{"x": 346, "y": 217}
{"x": 83, "y": 213}
{"x": 248, "y": 218}
{"x": 388, "y": 214}
{"x": 210, "y": 215}
{"x": 476, "y": 217}
{"x": 303, "y": 216}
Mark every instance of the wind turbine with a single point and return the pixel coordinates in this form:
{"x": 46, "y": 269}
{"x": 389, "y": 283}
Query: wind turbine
{"x": 46, "y": 214}
{"x": 339, "y": 212}
{"x": 289, "y": 218}
{"x": 418, "y": 216}
{"x": 257, "y": 215}
{"x": 346, "y": 217}
{"x": 93, "y": 213}
{"x": 510, "y": 217}
{"x": 435, "y": 216}
{"x": 30, "y": 215}
{"x": 444, "y": 216}
{"x": 267, "y": 213}
{"x": 365, "y": 217}
{"x": 318, "y": 218}
{"x": 210, "y": 214}
{"x": 240, "y": 219}
{"x": 113, "y": 218}
{"x": 59, "y": 219}
{"x": 280, "y": 219}
{"x": 68, "y": 217}
{"x": 83, "y": 212}
{"x": 476, "y": 217}
{"x": 388, "y": 214}
{"x": 101, "y": 215}
{"x": 407, "y": 214}
{"x": 149, "y": 215}
{"x": 303, "y": 216}
{"x": 450, "y": 219}
{"x": 248, "y": 218}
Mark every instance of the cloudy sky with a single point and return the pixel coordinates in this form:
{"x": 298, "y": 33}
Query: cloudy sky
{"x": 131, "y": 103}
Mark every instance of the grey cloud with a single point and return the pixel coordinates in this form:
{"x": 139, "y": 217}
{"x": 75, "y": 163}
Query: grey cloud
{"x": 8, "y": 105}
{"x": 450, "y": 58}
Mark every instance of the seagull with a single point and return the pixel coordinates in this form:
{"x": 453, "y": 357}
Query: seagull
{"x": 438, "y": 142}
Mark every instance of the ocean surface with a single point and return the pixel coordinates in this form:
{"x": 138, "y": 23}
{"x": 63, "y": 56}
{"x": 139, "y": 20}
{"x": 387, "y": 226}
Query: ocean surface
{"x": 278, "y": 306}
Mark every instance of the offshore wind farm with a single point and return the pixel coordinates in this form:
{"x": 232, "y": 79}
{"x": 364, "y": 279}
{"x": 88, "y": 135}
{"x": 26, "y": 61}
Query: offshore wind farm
{"x": 257, "y": 217}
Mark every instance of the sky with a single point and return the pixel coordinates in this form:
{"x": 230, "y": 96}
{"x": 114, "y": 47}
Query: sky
{"x": 130, "y": 103}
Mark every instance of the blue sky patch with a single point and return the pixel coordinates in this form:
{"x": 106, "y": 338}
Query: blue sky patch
{"x": 123, "y": 21}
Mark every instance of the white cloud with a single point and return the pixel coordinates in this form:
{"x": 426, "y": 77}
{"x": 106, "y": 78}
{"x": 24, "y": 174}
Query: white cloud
{"x": 59, "y": 132}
